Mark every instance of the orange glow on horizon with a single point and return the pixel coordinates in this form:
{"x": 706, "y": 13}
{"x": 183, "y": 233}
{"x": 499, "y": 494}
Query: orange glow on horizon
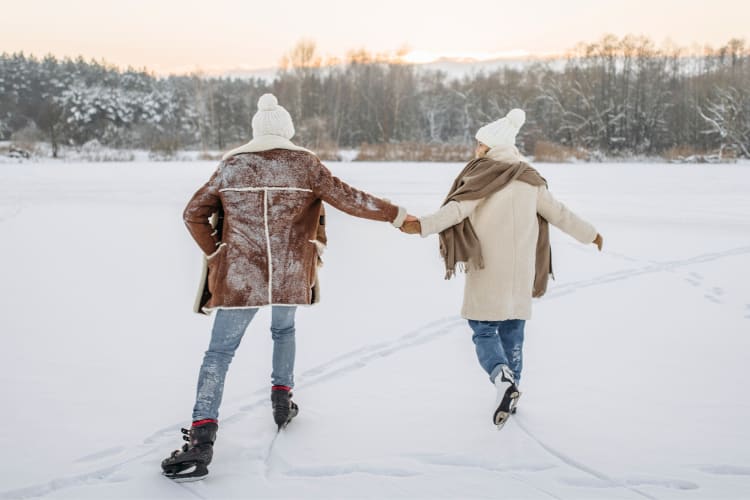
{"x": 186, "y": 36}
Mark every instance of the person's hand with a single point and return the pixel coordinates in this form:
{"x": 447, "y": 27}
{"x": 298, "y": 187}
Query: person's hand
{"x": 411, "y": 225}
{"x": 598, "y": 241}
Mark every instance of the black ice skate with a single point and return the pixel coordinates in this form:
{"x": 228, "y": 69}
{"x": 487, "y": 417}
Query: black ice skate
{"x": 507, "y": 397}
{"x": 190, "y": 463}
{"x": 284, "y": 409}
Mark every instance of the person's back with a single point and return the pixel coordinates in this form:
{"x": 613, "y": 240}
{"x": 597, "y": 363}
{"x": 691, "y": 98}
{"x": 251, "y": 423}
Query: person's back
{"x": 507, "y": 229}
{"x": 268, "y": 195}
{"x": 494, "y": 223}
{"x": 272, "y": 202}
{"x": 271, "y": 212}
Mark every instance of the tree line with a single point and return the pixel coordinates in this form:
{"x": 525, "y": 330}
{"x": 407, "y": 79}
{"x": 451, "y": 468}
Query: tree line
{"x": 616, "y": 96}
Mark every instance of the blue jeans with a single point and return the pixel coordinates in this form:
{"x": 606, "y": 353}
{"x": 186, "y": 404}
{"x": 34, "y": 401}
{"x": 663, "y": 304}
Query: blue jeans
{"x": 229, "y": 327}
{"x": 499, "y": 343}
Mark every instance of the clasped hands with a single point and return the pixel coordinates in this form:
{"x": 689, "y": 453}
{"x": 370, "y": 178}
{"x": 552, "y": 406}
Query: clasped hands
{"x": 411, "y": 225}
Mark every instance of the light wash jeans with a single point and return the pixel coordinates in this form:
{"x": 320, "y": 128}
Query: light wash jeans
{"x": 228, "y": 330}
{"x": 499, "y": 343}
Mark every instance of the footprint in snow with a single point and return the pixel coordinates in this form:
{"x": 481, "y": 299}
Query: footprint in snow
{"x": 677, "y": 484}
{"x": 487, "y": 464}
{"x": 101, "y": 454}
{"x": 725, "y": 470}
{"x": 712, "y": 298}
{"x": 347, "y": 469}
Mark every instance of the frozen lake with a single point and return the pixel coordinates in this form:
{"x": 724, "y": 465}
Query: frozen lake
{"x": 635, "y": 361}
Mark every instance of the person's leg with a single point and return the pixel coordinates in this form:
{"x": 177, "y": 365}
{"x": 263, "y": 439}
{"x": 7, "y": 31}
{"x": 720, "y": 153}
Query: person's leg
{"x": 490, "y": 351}
{"x": 511, "y": 337}
{"x": 229, "y": 327}
{"x": 284, "y": 350}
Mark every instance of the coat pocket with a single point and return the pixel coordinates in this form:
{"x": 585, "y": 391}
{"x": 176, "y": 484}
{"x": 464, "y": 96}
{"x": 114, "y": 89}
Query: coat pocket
{"x": 215, "y": 262}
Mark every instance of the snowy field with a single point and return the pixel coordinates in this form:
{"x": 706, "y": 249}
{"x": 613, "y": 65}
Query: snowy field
{"x": 636, "y": 362}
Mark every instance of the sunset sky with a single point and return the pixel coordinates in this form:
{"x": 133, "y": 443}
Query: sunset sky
{"x": 179, "y": 36}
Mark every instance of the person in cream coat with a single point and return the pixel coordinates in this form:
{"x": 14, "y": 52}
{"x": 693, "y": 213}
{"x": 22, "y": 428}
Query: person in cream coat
{"x": 494, "y": 224}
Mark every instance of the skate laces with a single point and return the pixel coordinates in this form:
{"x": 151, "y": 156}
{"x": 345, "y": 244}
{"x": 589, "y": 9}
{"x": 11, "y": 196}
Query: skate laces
{"x": 185, "y": 437}
{"x": 190, "y": 437}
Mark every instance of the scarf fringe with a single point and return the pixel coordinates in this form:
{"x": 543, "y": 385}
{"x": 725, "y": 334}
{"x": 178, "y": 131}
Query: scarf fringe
{"x": 463, "y": 267}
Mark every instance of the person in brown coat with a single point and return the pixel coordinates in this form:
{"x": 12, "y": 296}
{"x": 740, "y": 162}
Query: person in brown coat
{"x": 267, "y": 200}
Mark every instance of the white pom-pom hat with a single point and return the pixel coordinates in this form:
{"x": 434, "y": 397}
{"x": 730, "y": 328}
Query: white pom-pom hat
{"x": 272, "y": 119}
{"x": 502, "y": 133}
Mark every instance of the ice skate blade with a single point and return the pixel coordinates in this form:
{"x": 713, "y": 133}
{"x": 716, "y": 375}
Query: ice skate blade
{"x": 177, "y": 478}
{"x": 193, "y": 472}
{"x": 188, "y": 479}
{"x": 505, "y": 409}
{"x": 291, "y": 416}
{"x": 501, "y": 419}
{"x": 283, "y": 426}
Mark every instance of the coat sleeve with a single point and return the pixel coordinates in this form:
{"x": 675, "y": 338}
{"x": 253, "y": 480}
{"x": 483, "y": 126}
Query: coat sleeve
{"x": 561, "y": 217}
{"x": 339, "y": 194}
{"x": 204, "y": 203}
{"x": 449, "y": 215}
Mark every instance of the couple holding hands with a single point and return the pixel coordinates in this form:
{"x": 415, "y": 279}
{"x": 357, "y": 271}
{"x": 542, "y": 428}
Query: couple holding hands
{"x": 260, "y": 221}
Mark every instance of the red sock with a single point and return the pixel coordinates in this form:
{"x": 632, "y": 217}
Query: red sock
{"x": 281, "y": 388}
{"x": 205, "y": 421}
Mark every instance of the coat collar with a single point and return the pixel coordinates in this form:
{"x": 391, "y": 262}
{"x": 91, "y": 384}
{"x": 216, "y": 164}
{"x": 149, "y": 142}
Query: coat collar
{"x": 506, "y": 154}
{"x": 265, "y": 143}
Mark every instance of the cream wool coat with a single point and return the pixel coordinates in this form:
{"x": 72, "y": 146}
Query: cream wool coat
{"x": 506, "y": 225}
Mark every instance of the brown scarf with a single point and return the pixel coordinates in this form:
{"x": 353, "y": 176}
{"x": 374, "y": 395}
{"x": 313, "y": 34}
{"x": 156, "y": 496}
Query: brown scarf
{"x": 481, "y": 178}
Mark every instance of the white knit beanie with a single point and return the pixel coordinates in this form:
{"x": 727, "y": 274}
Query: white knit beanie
{"x": 272, "y": 119}
{"x": 502, "y": 133}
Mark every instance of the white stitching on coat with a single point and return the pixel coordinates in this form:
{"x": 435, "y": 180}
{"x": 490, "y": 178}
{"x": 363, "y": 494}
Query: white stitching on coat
{"x": 265, "y": 190}
{"x": 268, "y": 245}
{"x": 252, "y": 189}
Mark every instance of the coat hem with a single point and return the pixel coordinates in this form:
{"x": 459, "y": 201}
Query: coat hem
{"x": 495, "y": 317}
{"x": 209, "y": 310}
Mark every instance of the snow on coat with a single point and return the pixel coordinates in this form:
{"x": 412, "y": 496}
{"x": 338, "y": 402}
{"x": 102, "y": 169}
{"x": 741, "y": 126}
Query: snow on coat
{"x": 271, "y": 202}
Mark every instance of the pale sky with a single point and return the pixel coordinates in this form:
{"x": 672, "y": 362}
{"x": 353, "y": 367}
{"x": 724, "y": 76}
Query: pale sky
{"x": 214, "y": 35}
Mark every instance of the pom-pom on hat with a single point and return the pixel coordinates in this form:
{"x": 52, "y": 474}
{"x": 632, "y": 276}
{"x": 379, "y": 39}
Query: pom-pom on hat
{"x": 502, "y": 133}
{"x": 272, "y": 119}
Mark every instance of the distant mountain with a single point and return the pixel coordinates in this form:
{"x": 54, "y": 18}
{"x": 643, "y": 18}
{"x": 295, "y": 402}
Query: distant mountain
{"x": 461, "y": 67}
{"x": 267, "y": 74}
{"x": 454, "y": 67}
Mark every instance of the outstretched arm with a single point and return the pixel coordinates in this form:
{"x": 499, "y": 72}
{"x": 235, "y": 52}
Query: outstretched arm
{"x": 562, "y": 217}
{"x": 449, "y": 215}
{"x": 341, "y": 195}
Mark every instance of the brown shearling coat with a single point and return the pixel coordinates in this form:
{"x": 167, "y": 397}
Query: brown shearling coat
{"x": 272, "y": 206}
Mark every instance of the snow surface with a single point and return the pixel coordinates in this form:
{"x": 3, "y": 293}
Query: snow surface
{"x": 635, "y": 380}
